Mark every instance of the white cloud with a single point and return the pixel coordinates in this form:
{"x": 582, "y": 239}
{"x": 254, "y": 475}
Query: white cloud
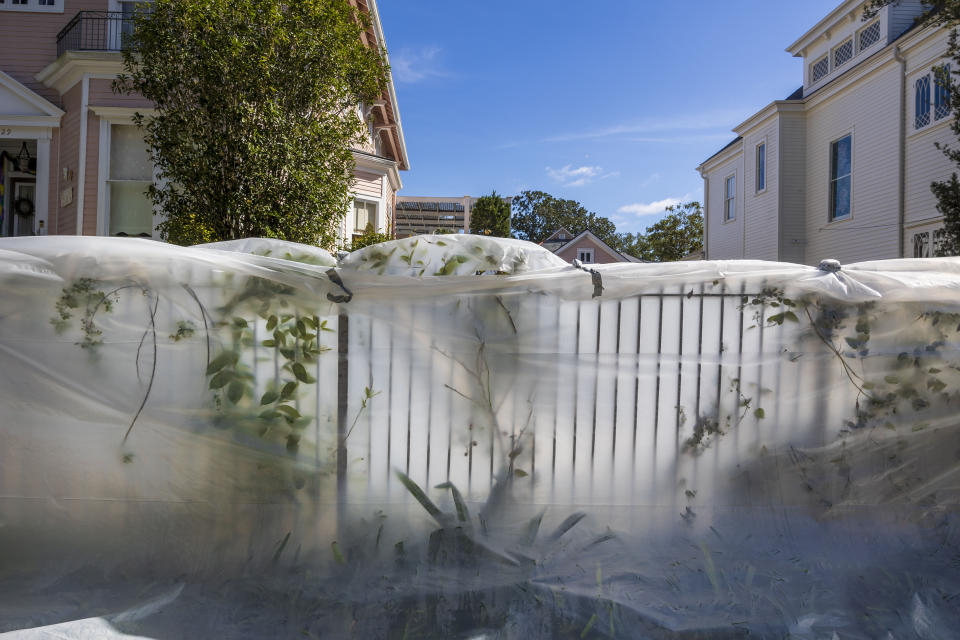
{"x": 648, "y": 208}
{"x": 414, "y": 65}
{"x": 689, "y": 122}
{"x": 570, "y": 176}
{"x": 655, "y": 207}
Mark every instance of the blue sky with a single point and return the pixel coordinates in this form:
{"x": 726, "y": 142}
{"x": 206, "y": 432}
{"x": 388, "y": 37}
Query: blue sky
{"x": 612, "y": 104}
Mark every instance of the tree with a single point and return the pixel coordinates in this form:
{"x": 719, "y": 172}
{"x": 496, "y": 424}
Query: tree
{"x": 537, "y": 214}
{"x": 490, "y": 216}
{"x": 256, "y": 110}
{"x": 943, "y": 13}
{"x": 673, "y": 237}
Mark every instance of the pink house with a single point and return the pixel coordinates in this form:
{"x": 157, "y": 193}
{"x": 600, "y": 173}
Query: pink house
{"x": 72, "y": 162}
{"x": 585, "y": 247}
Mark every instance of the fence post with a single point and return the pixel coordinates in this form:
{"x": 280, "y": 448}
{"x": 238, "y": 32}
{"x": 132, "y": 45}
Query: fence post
{"x": 343, "y": 341}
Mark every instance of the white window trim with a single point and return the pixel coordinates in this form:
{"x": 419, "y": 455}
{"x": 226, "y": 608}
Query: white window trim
{"x": 860, "y": 31}
{"x": 815, "y": 63}
{"x": 833, "y": 54}
{"x": 830, "y": 219}
{"x": 110, "y": 116}
{"x": 351, "y": 225}
{"x": 723, "y": 214}
{"x": 586, "y": 250}
{"x": 766, "y": 167}
{"x": 33, "y": 6}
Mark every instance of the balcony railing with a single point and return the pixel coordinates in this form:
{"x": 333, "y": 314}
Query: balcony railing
{"x": 94, "y": 31}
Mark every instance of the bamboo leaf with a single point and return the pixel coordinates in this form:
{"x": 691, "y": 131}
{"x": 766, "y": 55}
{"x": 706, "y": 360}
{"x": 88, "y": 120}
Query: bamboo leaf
{"x": 568, "y": 524}
{"x": 269, "y": 397}
{"x": 271, "y": 323}
{"x": 421, "y": 497}
{"x": 463, "y": 514}
{"x": 221, "y": 379}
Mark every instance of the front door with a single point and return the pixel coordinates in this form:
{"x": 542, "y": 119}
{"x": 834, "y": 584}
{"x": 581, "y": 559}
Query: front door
{"x": 22, "y": 207}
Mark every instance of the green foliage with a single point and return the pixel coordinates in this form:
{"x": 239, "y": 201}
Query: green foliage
{"x": 256, "y": 111}
{"x": 537, "y": 215}
{"x": 369, "y": 237}
{"x": 85, "y": 296}
{"x": 673, "y": 237}
{"x": 490, "y": 216}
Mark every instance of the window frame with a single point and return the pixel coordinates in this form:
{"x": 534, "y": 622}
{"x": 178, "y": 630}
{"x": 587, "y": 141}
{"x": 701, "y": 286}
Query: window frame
{"x": 582, "y": 251}
{"x": 832, "y": 181}
{"x": 813, "y": 65}
{"x": 107, "y": 122}
{"x": 33, "y": 6}
{"x": 859, "y": 36}
{"x": 727, "y": 198}
{"x": 353, "y": 210}
{"x": 833, "y": 53}
{"x": 925, "y": 81}
{"x": 941, "y": 95}
{"x": 758, "y": 187}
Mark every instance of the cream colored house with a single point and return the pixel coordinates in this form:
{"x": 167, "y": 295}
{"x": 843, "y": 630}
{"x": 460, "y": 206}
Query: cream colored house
{"x": 842, "y": 167}
{"x": 71, "y": 161}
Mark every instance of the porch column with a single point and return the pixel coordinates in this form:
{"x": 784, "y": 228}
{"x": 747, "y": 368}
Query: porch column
{"x": 42, "y": 192}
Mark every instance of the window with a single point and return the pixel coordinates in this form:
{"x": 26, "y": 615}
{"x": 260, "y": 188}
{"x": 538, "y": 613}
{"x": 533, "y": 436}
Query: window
{"x": 46, "y": 3}
{"x": 585, "y": 255}
{"x": 941, "y": 94}
{"x": 940, "y": 242}
{"x": 730, "y": 199}
{"x": 843, "y": 54}
{"x": 921, "y": 245}
{"x": 131, "y": 172}
{"x": 869, "y": 35}
{"x": 364, "y": 213}
{"x": 921, "y": 116}
{"x": 819, "y": 69}
{"x": 761, "y": 166}
{"x": 32, "y": 6}
{"x": 840, "y": 178}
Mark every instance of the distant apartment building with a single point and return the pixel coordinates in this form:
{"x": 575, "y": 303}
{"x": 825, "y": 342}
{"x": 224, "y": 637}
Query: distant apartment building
{"x": 71, "y": 160}
{"x": 842, "y": 167}
{"x": 416, "y": 215}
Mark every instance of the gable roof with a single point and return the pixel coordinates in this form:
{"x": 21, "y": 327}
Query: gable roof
{"x": 19, "y": 106}
{"x": 603, "y": 245}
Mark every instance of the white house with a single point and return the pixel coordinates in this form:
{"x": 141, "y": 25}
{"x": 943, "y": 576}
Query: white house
{"x": 842, "y": 167}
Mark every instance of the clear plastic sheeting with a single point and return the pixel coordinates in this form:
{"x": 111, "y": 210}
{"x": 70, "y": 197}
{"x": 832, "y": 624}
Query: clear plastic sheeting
{"x": 463, "y": 437}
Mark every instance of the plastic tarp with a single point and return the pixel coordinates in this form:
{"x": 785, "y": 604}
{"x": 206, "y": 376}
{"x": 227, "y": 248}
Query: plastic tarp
{"x": 464, "y": 437}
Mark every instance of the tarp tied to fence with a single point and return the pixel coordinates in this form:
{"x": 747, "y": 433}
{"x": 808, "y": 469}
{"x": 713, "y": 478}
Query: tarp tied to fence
{"x": 462, "y": 437}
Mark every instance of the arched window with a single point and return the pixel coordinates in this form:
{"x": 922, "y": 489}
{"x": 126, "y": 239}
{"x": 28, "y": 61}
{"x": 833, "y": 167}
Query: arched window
{"x": 942, "y": 94}
{"x": 922, "y": 113}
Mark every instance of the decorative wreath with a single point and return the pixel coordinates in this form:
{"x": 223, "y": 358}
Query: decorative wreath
{"x": 23, "y": 206}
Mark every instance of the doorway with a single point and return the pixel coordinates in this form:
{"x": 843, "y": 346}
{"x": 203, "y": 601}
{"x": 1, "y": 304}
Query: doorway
{"x": 18, "y": 219}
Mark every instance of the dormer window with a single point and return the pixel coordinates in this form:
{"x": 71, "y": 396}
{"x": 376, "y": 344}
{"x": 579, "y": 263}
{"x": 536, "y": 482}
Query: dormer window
{"x": 869, "y": 35}
{"x": 819, "y": 69}
{"x": 843, "y": 54}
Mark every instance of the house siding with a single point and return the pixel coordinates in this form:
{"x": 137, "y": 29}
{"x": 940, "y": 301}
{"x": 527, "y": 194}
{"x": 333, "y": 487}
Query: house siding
{"x": 792, "y": 172}
{"x": 368, "y": 184}
{"x": 29, "y": 42}
{"x": 69, "y": 159}
{"x": 91, "y": 175}
{"x": 600, "y": 254}
{"x": 871, "y": 115}
{"x": 725, "y": 240}
{"x": 101, "y": 94}
{"x": 760, "y": 208}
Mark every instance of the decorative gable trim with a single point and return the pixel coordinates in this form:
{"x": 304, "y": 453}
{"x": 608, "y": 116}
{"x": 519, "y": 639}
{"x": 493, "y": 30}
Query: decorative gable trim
{"x": 45, "y": 115}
